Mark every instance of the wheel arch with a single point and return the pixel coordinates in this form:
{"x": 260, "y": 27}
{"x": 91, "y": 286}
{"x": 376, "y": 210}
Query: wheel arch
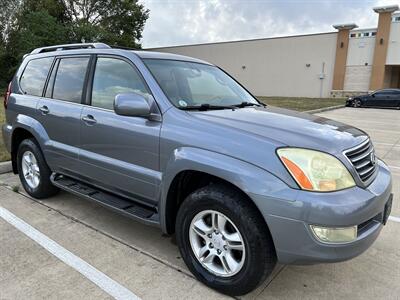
{"x": 192, "y": 168}
{"x": 18, "y": 135}
{"x": 25, "y": 127}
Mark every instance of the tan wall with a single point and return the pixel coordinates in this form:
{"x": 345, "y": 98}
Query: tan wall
{"x": 380, "y": 52}
{"x": 342, "y": 45}
{"x": 273, "y": 67}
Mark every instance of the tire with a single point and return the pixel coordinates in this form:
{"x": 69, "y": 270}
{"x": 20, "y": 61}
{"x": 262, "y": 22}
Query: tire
{"x": 258, "y": 258}
{"x": 42, "y": 187}
{"x": 357, "y": 103}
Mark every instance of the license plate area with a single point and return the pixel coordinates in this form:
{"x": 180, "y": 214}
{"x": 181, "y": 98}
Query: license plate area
{"x": 387, "y": 210}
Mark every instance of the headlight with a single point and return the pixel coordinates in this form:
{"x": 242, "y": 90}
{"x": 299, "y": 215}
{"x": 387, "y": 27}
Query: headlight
{"x": 314, "y": 170}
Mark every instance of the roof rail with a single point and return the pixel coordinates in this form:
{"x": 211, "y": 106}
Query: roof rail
{"x": 70, "y": 47}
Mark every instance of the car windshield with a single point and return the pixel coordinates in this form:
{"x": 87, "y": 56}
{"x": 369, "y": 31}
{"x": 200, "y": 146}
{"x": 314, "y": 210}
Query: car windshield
{"x": 192, "y": 85}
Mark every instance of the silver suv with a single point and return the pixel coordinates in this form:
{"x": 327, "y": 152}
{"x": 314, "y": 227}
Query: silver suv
{"x": 177, "y": 143}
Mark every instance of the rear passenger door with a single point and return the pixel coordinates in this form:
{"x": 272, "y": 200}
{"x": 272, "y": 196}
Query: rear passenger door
{"x": 32, "y": 84}
{"x": 119, "y": 153}
{"x": 60, "y": 112}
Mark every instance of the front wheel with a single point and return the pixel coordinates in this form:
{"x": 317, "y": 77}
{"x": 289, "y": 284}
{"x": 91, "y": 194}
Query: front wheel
{"x": 357, "y": 103}
{"x": 224, "y": 240}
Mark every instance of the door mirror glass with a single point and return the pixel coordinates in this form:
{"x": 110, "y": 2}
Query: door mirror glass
{"x": 131, "y": 104}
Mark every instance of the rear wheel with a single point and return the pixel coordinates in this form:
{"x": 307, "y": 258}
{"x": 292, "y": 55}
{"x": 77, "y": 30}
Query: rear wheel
{"x": 224, "y": 240}
{"x": 33, "y": 170}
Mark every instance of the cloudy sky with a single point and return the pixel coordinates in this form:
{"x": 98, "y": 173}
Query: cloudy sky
{"x": 181, "y": 22}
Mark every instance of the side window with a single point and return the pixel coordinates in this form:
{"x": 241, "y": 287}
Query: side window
{"x": 70, "y": 77}
{"x": 34, "y": 77}
{"x": 115, "y": 76}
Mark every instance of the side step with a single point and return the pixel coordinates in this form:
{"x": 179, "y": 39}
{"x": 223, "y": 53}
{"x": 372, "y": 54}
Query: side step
{"x": 121, "y": 205}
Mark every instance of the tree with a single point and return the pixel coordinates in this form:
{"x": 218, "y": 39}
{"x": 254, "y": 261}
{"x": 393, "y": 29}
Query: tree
{"x": 34, "y": 30}
{"x": 29, "y": 24}
{"x": 116, "y": 22}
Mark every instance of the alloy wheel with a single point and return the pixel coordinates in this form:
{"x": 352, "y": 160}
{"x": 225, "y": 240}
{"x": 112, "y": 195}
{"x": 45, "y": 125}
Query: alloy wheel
{"x": 357, "y": 103}
{"x": 30, "y": 169}
{"x": 217, "y": 243}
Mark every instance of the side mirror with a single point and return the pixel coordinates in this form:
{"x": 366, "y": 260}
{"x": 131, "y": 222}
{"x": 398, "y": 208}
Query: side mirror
{"x": 373, "y": 95}
{"x": 132, "y": 104}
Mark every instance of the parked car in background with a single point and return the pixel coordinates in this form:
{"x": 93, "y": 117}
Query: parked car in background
{"x": 379, "y": 98}
{"x": 177, "y": 143}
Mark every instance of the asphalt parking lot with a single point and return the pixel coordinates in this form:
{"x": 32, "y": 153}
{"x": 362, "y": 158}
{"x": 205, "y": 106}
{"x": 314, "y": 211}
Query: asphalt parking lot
{"x": 132, "y": 260}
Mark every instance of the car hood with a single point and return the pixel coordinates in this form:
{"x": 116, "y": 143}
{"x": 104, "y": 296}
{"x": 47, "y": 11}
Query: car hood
{"x": 288, "y": 127}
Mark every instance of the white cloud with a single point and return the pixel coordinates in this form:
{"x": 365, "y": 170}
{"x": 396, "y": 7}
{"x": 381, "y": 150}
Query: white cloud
{"x": 177, "y": 22}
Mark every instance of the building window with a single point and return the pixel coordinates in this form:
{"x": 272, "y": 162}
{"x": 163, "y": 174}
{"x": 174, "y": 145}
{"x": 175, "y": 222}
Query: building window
{"x": 373, "y": 33}
{"x": 366, "y": 34}
{"x": 352, "y": 35}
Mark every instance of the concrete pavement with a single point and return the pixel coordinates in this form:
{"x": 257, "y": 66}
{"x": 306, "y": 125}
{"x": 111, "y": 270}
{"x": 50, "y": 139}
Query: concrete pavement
{"x": 147, "y": 263}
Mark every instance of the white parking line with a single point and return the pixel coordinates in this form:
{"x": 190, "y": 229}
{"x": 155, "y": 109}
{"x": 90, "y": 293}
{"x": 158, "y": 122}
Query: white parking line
{"x": 104, "y": 282}
{"x": 386, "y": 144}
{"x": 395, "y": 219}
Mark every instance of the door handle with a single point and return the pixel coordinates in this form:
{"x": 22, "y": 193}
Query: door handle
{"x": 44, "y": 110}
{"x": 89, "y": 120}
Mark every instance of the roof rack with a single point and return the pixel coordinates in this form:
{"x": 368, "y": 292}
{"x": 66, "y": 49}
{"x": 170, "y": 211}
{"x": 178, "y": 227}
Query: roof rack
{"x": 71, "y": 47}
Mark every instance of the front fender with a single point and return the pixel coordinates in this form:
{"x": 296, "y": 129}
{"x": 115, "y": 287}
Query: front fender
{"x": 249, "y": 178}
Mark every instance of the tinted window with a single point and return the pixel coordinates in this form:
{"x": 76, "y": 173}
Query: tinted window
{"x": 34, "y": 77}
{"x": 70, "y": 78}
{"x": 114, "y": 76}
{"x": 384, "y": 93}
{"x": 188, "y": 83}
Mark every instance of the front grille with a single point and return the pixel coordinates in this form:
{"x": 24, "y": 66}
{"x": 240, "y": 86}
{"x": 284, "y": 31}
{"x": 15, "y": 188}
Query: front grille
{"x": 363, "y": 159}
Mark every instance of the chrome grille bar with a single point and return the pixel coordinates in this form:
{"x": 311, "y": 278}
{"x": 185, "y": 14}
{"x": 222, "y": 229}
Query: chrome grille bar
{"x": 363, "y": 159}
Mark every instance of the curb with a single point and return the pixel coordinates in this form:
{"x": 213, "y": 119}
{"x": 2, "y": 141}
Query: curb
{"x": 5, "y": 167}
{"x": 314, "y": 111}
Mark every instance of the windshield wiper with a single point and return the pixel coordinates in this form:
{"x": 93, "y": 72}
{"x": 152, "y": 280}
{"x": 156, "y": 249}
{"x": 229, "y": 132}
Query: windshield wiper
{"x": 245, "y": 104}
{"x": 206, "y": 106}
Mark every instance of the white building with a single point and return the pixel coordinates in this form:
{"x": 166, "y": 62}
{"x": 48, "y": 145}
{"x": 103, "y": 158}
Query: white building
{"x": 317, "y": 65}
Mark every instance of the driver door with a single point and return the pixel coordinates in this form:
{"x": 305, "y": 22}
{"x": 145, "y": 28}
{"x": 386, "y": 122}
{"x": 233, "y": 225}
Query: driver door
{"x": 119, "y": 153}
{"x": 377, "y": 99}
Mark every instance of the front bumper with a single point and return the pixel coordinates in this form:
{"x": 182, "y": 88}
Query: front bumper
{"x": 289, "y": 220}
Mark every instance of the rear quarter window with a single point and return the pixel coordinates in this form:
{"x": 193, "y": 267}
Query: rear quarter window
{"x": 34, "y": 76}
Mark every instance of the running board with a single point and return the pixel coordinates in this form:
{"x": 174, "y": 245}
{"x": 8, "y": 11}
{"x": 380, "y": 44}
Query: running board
{"x": 121, "y": 205}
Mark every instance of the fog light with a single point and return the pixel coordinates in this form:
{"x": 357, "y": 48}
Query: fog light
{"x": 335, "y": 235}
